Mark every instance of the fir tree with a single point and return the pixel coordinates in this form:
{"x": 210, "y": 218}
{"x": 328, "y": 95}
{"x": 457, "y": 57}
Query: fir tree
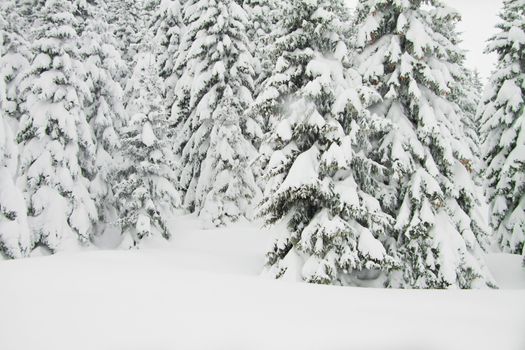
{"x": 469, "y": 99}
{"x": 408, "y": 53}
{"x": 503, "y": 129}
{"x": 104, "y": 110}
{"x": 466, "y": 93}
{"x": 320, "y": 178}
{"x": 14, "y": 59}
{"x": 167, "y": 26}
{"x": 214, "y": 134}
{"x": 129, "y": 19}
{"x": 15, "y": 239}
{"x": 144, "y": 187}
{"x": 54, "y": 133}
{"x": 25, "y": 12}
{"x": 262, "y": 28}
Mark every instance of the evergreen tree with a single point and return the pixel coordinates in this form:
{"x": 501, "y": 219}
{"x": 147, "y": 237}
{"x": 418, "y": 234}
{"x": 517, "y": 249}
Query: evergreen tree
{"x": 262, "y": 27}
{"x": 467, "y": 96}
{"x": 54, "y": 133}
{"x": 104, "y": 110}
{"x": 469, "y": 99}
{"x": 408, "y": 53}
{"x": 14, "y": 59}
{"x": 144, "y": 187}
{"x": 25, "y": 13}
{"x": 503, "y": 129}
{"x": 167, "y": 26}
{"x": 129, "y": 19}
{"x": 320, "y": 178}
{"x": 15, "y": 239}
{"x": 214, "y": 134}
{"x": 262, "y": 30}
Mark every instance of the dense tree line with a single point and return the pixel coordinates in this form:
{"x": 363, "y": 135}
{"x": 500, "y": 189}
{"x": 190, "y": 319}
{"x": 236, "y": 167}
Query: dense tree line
{"x": 365, "y": 131}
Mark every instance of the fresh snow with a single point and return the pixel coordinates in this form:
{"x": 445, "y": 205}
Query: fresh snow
{"x": 148, "y": 136}
{"x": 202, "y": 290}
{"x": 303, "y": 172}
{"x": 507, "y": 269}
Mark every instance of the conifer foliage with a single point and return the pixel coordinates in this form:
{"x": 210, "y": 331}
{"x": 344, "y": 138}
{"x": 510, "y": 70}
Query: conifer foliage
{"x": 15, "y": 239}
{"x": 320, "y": 179}
{"x": 54, "y": 133}
{"x": 144, "y": 186}
{"x": 261, "y": 29}
{"x": 129, "y": 19}
{"x": 503, "y": 129}
{"x": 167, "y": 28}
{"x": 104, "y": 109}
{"x": 213, "y": 138}
{"x": 407, "y": 54}
{"x": 468, "y": 100}
{"x": 14, "y": 58}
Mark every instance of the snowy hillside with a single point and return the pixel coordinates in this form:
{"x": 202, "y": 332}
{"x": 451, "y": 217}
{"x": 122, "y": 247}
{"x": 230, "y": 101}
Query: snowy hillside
{"x": 202, "y": 292}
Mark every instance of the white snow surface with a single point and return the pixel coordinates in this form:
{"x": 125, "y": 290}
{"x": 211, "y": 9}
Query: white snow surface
{"x": 507, "y": 270}
{"x": 203, "y": 290}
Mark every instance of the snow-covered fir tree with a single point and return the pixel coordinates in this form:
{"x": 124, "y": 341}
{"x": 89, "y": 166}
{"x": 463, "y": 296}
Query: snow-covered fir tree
{"x": 469, "y": 98}
{"x": 407, "y": 54}
{"x": 25, "y": 12}
{"x": 15, "y": 239}
{"x": 262, "y": 28}
{"x": 466, "y": 94}
{"x": 167, "y": 27}
{"x": 503, "y": 129}
{"x": 144, "y": 187}
{"x": 129, "y": 19}
{"x": 214, "y": 135}
{"x": 104, "y": 110}
{"x": 54, "y": 133}
{"x": 15, "y": 57}
{"x": 321, "y": 181}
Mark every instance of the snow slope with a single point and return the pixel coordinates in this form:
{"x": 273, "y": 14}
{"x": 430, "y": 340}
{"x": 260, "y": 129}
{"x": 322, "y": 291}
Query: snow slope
{"x": 201, "y": 291}
{"x": 507, "y": 270}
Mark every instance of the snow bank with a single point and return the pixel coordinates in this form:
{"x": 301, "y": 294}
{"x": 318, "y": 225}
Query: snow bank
{"x": 202, "y": 291}
{"x": 137, "y": 300}
{"x": 508, "y": 271}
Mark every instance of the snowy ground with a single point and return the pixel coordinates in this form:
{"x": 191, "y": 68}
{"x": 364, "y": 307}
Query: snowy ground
{"x": 202, "y": 291}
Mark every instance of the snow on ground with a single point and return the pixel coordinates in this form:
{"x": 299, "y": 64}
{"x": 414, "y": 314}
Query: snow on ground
{"x": 202, "y": 291}
{"x": 507, "y": 270}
